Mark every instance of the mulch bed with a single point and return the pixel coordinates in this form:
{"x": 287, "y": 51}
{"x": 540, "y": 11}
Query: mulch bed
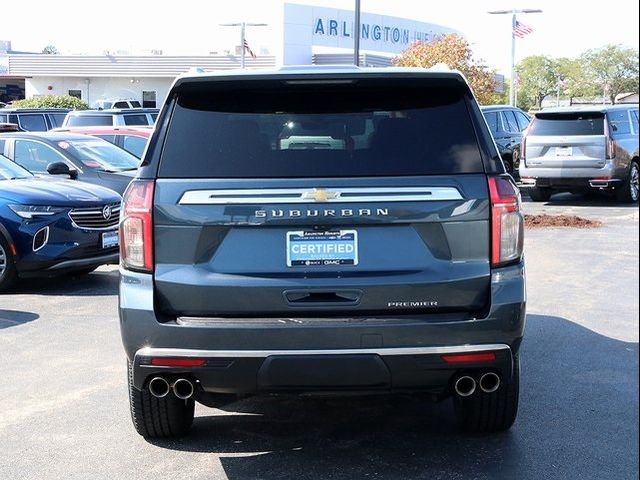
{"x": 566, "y": 221}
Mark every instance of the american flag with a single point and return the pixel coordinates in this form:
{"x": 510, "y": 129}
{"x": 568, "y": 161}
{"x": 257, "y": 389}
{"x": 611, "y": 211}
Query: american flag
{"x": 521, "y": 30}
{"x": 248, "y": 49}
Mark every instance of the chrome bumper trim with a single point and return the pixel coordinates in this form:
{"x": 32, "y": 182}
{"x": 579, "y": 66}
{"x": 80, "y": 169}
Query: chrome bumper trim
{"x": 442, "y": 350}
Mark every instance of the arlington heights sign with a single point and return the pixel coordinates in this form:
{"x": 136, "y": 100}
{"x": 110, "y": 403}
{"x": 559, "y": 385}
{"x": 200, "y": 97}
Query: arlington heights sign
{"x": 330, "y": 27}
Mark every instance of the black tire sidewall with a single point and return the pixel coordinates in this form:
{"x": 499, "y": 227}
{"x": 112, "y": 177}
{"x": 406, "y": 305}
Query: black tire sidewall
{"x": 9, "y": 275}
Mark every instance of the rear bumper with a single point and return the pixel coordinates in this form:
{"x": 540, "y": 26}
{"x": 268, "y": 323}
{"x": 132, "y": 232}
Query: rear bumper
{"x": 566, "y": 176}
{"x": 366, "y": 369}
{"x": 323, "y": 354}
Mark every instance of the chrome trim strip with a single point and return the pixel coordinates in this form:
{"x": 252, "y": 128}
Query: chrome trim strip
{"x": 318, "y": 195}
{"x": 180, "y": 352}
{"x": 46, "y": 239}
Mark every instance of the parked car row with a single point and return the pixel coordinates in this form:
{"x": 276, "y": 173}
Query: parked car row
{"x": 44, "y": 119}
{"x": 60, "y": 190}
{"x": 52, "y": 227}
{"x": 570, "y": 149}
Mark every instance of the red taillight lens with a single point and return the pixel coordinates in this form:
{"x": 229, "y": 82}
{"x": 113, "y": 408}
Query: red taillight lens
{"x": 177, "y": 362}
{"x": 507, "y": 221}
{"x": 469, "y": 357}
{"x": 136, "y": 226}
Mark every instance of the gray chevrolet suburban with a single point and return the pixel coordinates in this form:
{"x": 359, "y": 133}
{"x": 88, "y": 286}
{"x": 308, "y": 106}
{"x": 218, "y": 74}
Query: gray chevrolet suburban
{"x": 377, "y": 249}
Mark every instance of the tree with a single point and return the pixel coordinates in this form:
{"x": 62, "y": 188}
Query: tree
{"x": 574, "y": 81}
{"x": 50, "y": 50}
{"x": 52, "y": 101}
{"x": 537, "y": 78}
{"x": 454, "y": 51}
{"x": 501, "y": 98}
{"x": 613, "y": 68}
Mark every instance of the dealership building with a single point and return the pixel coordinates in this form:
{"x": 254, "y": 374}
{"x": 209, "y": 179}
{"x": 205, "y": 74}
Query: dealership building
{"x": 306, "y": 34}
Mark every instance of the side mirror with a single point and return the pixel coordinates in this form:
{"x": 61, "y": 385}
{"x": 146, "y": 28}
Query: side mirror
{"x": 61, "y": 168}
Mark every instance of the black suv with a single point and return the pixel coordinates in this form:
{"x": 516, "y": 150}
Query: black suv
{"x": 506, "y": 124}
{"x": 34, "y": 119}
{"x": 377, "y": 249}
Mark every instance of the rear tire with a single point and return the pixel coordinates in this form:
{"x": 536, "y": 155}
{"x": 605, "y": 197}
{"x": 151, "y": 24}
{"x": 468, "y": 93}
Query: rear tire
{"x": 7, "y": 265}
{"x": 539, "y": 194}
{"x": 490, "y": 412}
{"x": 158, "y": 417}
{"x": 628, "y": 193}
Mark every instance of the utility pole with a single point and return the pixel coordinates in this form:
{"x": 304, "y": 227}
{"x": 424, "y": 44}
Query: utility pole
{"x": 513, "y": 87}
{"x": 356, "y": 35}
{"x": 243, "y": 27}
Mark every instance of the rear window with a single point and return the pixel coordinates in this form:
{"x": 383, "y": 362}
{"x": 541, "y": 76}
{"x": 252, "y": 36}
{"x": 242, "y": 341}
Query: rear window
{"x": 583, "y": 123}
{"x": 89, "y": 120}
{"x": 374, "y": 128}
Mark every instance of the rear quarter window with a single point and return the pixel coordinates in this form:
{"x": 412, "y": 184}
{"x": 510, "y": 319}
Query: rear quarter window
{"x": 582, "y": 123}
{"x": 619, "y": 122}
{"x": 373, "y": 129}
{"x": 138, "y": 119}
{"x": 89, "y": 121}
{"x": 33, "y": 122}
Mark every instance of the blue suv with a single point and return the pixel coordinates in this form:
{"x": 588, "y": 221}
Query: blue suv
{"x": 50, "y": 227}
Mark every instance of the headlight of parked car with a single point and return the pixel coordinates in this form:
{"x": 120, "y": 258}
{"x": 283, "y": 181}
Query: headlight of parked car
{"x": 31, "y": 211}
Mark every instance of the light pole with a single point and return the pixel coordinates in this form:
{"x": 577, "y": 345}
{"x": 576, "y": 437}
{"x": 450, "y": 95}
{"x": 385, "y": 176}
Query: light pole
{"x": 356, "y": 35}
{"x": 243, "y": 26}
{"x": 513, "y": 99}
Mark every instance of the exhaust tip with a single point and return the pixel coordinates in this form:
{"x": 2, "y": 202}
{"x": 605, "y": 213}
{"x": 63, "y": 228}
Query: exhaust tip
{"x": 489, "y": 382}
{"x": 465, "y": 386}
{"x": 159, "y": 387}
{"x": 183, "y": 388}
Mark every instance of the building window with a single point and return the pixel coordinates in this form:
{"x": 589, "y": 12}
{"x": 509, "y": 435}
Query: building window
{"x": 149, "y": 98}
{"x": 76, "y": 93}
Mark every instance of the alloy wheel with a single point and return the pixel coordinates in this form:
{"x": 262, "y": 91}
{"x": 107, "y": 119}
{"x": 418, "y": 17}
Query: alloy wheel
{"x": 3, "y": 261}
{"x": 633, "y": 181}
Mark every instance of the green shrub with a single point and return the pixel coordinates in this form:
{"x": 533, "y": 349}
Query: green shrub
{"x": 52, "y": 101}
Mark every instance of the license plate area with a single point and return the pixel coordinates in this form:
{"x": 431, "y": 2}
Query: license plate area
{"x": 318, "y": 248}
{"x": 564, "y": 151}
{"x": 110, "y": 239}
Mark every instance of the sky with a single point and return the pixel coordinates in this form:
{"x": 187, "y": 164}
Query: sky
{"x": 565, "y": 28}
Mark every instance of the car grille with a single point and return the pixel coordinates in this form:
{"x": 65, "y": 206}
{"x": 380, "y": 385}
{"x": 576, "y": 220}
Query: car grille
{"x": 96, "y": 218}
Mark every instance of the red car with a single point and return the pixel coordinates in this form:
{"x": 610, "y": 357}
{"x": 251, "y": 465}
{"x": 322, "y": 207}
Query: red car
{"x": 132, "y": 139}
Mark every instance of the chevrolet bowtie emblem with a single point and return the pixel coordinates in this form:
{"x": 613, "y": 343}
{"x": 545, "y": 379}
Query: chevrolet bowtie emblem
{"x": 320, "y": 195}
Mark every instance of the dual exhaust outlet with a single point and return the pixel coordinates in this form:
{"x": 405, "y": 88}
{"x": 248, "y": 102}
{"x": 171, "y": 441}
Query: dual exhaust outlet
{"x": 466, "y": 385}
{"x": 182, "y": 388}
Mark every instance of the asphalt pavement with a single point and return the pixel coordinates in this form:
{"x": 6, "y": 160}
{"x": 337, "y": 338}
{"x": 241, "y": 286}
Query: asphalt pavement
{"x": 65, "y": 411}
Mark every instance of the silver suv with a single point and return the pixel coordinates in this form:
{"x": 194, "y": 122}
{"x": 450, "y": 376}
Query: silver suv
{"x": 582, "y": 148}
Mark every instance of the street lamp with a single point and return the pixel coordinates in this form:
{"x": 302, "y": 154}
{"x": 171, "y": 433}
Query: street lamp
{"x": 513, "y": 99}
{"x": 243, "y": 26}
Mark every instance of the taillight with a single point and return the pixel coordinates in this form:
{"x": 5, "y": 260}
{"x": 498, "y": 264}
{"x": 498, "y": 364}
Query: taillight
{"x": 136, "y": 226}
{"x": 507, "y": 221}
{"x": 523, "y": 143}
{"x": 610, "y": 145}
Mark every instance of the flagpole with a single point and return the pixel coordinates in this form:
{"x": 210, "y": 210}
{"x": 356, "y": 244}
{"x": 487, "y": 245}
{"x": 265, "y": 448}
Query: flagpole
{"x": 513, "y": 91}
{"x": 242, "y": 48}
{"x": 513, "y": 99}
{"x": 243, "y": 26}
